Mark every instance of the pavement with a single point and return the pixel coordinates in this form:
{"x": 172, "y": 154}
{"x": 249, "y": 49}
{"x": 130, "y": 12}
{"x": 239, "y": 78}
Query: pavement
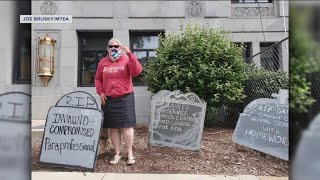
{"x": 115, "y": 176}
{"x": 37, "y": 127}
{"x": 37, "y": 132}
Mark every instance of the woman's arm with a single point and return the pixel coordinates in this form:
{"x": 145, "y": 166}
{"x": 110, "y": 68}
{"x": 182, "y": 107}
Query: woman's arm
{"x": 134, "y": 65}
{"x": 98, "y": 79}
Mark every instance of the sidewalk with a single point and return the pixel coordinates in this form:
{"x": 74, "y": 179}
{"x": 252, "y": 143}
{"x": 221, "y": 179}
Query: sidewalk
{"x": 113, "y": 176}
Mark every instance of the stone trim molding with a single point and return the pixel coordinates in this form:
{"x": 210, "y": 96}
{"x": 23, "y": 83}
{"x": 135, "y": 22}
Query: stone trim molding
{"x": 252, "y": 11}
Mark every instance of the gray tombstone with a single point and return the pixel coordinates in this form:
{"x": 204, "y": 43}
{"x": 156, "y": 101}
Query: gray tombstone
{"x": 306, "y": 164}
{"x": 15, "y": 124}
{"x": 176, "y": 120}
{"x": 72, "y": 132}
{"x": 264, "y": 126}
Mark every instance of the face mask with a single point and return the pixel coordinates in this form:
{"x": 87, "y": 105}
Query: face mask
{"x": 115, "y": 54}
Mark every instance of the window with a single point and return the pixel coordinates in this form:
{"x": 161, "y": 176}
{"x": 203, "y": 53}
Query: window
{"x": 92, "y": 48}
{"x": 143, "y": 45}
{"x": 270, "y": 59}
{"x": 315, "y": 23}
{"x": 251, "y": 1}
{"x": 246, "y": 52}
{"x": 22, "y": 43}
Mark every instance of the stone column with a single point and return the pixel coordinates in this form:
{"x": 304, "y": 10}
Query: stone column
{"x": 255, "y": 50}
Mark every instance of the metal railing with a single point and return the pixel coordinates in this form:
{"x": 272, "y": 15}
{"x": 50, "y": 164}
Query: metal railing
{"x": 268, "y": 75}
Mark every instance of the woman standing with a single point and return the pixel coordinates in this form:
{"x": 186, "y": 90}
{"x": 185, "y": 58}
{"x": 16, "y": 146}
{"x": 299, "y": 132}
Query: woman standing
{"x": 113, "y": 83}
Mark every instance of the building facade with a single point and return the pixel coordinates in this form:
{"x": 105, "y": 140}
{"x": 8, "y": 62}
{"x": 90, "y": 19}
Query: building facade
{"x": 82, "y": 43}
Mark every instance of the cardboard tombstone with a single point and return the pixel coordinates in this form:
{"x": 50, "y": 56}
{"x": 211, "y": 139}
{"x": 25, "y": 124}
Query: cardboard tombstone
{"x": 176, "y": 120}
{"x": 15, "y": 124}
{"x": 264, "y": 126}
{"x": 306, "y": 162}
{"x": 71, "y": 133}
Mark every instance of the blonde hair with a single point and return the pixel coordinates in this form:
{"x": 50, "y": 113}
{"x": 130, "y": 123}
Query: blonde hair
{"x": 114, "y": 40}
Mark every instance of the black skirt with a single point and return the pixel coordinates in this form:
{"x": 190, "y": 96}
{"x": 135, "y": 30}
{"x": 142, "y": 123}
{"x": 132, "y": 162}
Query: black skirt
{"x": 119, "y": 112}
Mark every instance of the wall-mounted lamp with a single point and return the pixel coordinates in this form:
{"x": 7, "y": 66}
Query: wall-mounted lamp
{"x": 45, "y": 59}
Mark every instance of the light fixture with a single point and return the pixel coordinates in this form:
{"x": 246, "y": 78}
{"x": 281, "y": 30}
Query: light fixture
{"x": 45, "y": 58}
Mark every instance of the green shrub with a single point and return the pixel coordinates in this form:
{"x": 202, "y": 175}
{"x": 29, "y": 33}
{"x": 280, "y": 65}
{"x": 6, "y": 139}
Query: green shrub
{"x": 301, "y": 51}
{"x": 201, "y": 60}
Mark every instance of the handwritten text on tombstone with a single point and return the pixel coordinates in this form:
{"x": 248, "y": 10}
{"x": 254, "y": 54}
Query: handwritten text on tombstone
{"x": 176, "y": 120}
{"x": 264, "y": 126}
{"x": 72, "y": 133}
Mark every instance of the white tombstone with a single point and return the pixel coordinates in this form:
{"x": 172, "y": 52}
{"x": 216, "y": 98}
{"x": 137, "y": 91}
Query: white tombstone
{"x": 264, "y": 126}
{"x": 71, "y": 134}
{"x": 176, "y": 120}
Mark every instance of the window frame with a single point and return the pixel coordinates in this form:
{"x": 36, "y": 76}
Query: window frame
{"x": 20, "y": 33}
{"x": 248, "y": 48}
{"x": 147, "y": 50}
{"x": 80, "y": 35}
{"x": 278, "y": 49}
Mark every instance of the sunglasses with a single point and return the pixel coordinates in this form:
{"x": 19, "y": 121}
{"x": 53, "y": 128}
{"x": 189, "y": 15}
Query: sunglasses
{"x": 113, "y": 46}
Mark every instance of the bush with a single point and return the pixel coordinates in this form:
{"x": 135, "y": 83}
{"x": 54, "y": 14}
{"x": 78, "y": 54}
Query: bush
{"x": 301, "y": 51}
{"x": 200, "y": 60}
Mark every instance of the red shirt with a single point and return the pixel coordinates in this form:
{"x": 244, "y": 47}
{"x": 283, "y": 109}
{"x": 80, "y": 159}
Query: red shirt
{"x": 114, "y": 78}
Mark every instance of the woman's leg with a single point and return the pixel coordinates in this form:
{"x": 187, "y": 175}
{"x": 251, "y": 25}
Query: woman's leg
{"x": 128, "y": 135}
{"x": 115, "y": 139}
